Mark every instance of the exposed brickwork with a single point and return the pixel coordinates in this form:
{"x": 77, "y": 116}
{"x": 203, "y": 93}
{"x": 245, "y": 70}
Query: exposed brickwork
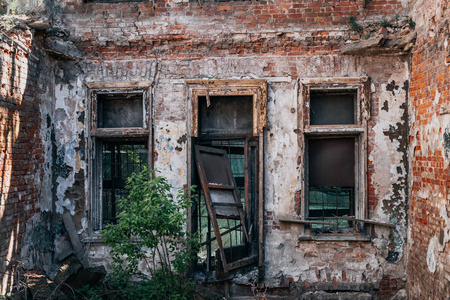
{"x": 187, "y": 29}
{"x": 21, "y": 150}
{"x": 429, "y": 249}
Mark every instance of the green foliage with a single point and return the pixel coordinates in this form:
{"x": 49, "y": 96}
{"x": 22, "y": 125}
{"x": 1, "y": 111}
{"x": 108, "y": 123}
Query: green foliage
{"x": 91, "y": 292}
{"x": 151, "y": 231}
{"x": 411, "y": 23}
{"x": 385, "y": 23}
{"x": 354, "y": 25}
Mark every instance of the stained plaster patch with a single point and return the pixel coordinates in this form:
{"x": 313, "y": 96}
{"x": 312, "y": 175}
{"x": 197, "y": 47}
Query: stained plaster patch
{"x": 171, "y": 153}
{"x": 392, "y": 189}
{"x": 438, "y": 242}
{"x": 283, "y": 175}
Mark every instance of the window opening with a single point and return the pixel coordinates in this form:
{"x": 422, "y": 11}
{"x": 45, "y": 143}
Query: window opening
{"x": 225, "y": 115}
{"x": 229, "y": 116}
{"x": 119, "y": 138}
{"x": 119, "y": 161}
{"x": 332, "y": 153}
{"x": 235, "y": 238}
{"x": 331, "y": 180}
{"x": 120, "y": 110}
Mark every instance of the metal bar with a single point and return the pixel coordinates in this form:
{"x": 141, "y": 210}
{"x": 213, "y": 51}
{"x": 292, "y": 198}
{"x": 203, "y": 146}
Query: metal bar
{"x": 223, "y": 233}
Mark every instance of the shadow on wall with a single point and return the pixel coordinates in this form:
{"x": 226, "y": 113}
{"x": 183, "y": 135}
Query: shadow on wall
{"x": 21, "y": 153}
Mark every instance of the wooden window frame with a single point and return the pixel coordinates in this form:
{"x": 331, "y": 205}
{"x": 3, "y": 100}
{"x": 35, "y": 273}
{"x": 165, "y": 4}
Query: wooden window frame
{"x": 360, "y": 85}
{"x": 97, "y": 135}
{"x": 257, "y": 88}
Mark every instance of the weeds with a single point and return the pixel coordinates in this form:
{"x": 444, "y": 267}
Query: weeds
{"x": 385, "y": 23}
{"x": 354, "y": 25}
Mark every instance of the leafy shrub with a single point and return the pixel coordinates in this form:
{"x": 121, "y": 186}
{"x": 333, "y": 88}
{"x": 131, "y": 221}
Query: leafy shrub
{"x": 151, "y": 230}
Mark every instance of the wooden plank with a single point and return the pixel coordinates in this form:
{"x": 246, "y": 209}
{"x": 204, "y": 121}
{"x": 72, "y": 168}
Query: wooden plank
{"x": 333, "y": 80}
{"x": 220, "y": 186}
{"x": 305, "y": 222}
{"x": 243, "y": 262}
{"x": 260, "y": 189}
{"x": 120, "y": 132}
{"x": 75, "y": 239}
{"x": 333, "y": 129}
{"x": 133, "y": 84}
{"x": 391, "y": 225}
{"x": 227, "y": 204}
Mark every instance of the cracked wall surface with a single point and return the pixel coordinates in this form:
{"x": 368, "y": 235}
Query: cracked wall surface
{"x": 281, "y": 42}
{"x": 428, "y": 250}
{"x": 169, "y": 44}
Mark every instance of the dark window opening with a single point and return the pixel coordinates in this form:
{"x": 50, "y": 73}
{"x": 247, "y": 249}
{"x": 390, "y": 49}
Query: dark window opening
{"x": 228, "y": 232}
{"x": 120, "y": 110}
{"x": 332, "y": 108}
{"x": 331, "y": 181}
{"x": 120, "y": 148}
{"x": 230, "y": 115}
{"x": 119, "y": 161}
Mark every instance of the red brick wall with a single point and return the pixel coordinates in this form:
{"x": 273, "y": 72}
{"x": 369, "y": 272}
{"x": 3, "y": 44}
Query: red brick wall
{"x": 429, "y": 249}
{"x": 189, "y": 29}
{"x": 21, "y": 151}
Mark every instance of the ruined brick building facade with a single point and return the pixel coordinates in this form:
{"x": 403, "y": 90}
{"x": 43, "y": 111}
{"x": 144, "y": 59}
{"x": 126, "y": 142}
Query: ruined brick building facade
{"x": 333, "y": 116}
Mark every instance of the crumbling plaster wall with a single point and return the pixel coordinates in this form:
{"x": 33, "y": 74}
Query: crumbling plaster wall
{"x": 348, "y": 262}
{"x": 181, "y": 40}
{"x": 351, "y": 263}
{"x": 429, "y": 231}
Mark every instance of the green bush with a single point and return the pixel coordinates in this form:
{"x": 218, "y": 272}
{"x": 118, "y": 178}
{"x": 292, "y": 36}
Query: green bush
{"x": 151, "y": 230}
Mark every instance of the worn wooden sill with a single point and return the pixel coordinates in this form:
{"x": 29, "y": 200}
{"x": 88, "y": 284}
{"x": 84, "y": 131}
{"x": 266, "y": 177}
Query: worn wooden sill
{"x": 355, "y": 237}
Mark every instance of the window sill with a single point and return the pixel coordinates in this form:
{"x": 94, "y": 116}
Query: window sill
{"x": 336, "y": 238}
{"x": 97, "y": 240}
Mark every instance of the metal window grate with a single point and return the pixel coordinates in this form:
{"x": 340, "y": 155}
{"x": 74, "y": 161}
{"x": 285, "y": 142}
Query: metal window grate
{"x": 119, "y": 161}
{"x": 326, "y": 202}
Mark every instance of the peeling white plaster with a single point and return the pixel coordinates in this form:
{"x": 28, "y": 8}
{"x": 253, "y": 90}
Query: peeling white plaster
{"x": 171, "y": 160}
{"x": 435, "y": 247}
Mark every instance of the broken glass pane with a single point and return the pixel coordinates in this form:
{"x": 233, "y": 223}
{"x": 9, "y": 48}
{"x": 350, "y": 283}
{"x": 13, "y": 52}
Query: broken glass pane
{"x": 224, "y": 196}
